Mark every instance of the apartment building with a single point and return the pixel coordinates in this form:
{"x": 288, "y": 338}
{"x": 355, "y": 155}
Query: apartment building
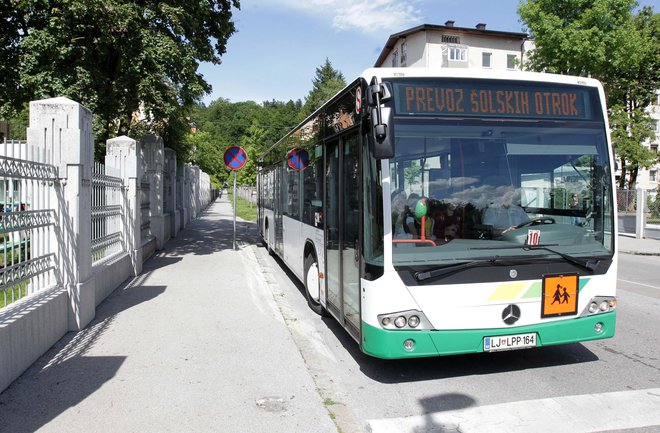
{"x": 448, "y": 46}
{"x": 649, "y": 179}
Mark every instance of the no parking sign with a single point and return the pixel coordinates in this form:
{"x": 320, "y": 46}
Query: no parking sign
{"x": 297, "y": 159}
{"x": 235, "y": 158}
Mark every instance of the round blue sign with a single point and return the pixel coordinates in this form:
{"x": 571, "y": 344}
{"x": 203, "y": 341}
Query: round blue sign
{"x": 297, "y": 159}
{"x": 235, "y": 158}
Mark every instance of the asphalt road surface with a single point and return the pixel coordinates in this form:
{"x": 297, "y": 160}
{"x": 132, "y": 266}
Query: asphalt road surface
{"x": 608, "y": 385}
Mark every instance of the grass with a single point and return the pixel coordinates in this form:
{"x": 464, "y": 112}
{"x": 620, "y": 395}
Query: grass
{"x": 6, "y": 295}
{"x": 244, "y": 209}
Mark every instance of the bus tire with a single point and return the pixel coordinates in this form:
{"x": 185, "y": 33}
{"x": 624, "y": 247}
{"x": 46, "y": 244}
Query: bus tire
{"x": 312, "y": 285}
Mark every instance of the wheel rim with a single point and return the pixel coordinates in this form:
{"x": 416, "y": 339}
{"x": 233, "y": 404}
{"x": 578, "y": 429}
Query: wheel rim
{"x": 313, "y": 282}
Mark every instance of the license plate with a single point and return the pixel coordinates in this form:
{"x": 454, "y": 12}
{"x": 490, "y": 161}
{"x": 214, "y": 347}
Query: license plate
{"x": 509, "y": 342}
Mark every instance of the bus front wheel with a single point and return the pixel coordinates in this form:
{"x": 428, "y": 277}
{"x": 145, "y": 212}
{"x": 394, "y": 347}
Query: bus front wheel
{"x": 312, "y": 285}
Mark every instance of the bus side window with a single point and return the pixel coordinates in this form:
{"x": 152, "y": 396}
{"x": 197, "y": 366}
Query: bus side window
{"x": 313, "y": 193}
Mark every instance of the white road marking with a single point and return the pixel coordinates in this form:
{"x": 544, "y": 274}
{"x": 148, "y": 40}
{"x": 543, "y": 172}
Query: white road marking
{"x": 578, "y": 413}
{"x": 639, "y": 284}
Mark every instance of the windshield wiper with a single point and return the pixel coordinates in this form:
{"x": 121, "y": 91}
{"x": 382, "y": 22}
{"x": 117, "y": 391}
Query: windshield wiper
{"x": 450, "y": 269}
{"x": 589, "y": 265}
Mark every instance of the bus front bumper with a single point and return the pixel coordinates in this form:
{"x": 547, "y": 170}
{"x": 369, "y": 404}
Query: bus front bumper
{"x": 389, "y": 344}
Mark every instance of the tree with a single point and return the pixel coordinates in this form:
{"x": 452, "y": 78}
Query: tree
{"x": 207, "y": 155}
{"x": 627, "y": 135}
{"x": 326, "y": 84}
{"x": 247, "y": 124}
{"x": 605, "y": 40}
{"x": 133, "y": 63}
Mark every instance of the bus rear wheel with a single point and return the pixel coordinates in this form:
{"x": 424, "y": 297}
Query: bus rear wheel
{"x": 312, "y": 285}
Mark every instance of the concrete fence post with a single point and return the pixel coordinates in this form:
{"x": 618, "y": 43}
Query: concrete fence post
{"x": 640, "y": 213}
{"x": 66, "y": 127}
{"x": 180, "y": 187}
{"x": 188, "y": 201}
{"x": 154, "y": 155}
{"x": 171, "y": 191}
{"x": 122, "y": 154}
{"x": 197, "y": 191}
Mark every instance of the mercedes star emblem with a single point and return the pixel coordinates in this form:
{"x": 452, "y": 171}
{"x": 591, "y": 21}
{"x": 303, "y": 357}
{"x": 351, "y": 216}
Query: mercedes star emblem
{"x": 511, "y": 314}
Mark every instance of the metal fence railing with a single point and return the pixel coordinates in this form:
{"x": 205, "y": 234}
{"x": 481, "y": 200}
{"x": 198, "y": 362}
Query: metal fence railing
{"x": 631, "y": 212}
{"x": 248, "y": 193}
{"x": 27, "y": 221}
{"x": 107, "y": 212}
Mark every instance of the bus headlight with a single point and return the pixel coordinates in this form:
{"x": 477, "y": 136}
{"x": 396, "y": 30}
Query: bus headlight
{"x": 599, "y": 305}
{"x": 411, "y": 319}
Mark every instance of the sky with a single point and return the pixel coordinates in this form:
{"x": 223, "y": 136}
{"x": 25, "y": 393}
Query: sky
{"x": 279, "y": 43}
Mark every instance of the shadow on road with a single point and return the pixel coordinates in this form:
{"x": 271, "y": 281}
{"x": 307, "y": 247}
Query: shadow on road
{"x": 211, "y": 233}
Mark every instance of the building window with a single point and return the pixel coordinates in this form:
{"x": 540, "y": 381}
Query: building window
{"x": 457, "y": 54}
{"x": 395, "y": 59}
{"x": 485, "y": 60}
{"x": 654, "y": 148}
{"x": 404, "y": 53}
{"x": 653, "y": 175}
{"x": 511, "y": 61}
{"x": 657, "y": 126}
{"x": 448, "y": 39}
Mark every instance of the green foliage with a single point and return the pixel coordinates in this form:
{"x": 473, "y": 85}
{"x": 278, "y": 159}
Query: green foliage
{"x": 327, "y": 82}
{"x": 245, "y": 210}
{"x": 252, "y": 126}
{"x": 18, "y": 124}
{"x": 134, "y": 64}
{"x": 604, "y": 39}
{"x": 412, "y": 173}
{"x": 629, "y": 130}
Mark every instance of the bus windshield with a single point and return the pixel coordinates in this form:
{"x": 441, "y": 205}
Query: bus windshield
{"x": 488, "y": 187}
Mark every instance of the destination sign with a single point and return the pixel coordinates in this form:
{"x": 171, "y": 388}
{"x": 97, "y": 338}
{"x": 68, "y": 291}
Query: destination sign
{"x": 470, "y": 98}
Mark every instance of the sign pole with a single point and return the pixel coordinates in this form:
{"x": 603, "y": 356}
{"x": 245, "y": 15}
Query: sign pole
{"x": 235, "y": 158}
{"x": 234, "y": 210}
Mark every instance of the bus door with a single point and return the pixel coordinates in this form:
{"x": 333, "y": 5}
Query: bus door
{"x": 342, "y": 224}
{"x": 278, "y": 208}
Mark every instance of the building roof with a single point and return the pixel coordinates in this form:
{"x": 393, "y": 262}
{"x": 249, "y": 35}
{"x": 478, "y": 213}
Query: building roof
{"x": 479, "y": 30}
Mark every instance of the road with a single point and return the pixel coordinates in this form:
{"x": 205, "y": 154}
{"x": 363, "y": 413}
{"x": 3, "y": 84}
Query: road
{"x": 365, "y": 391}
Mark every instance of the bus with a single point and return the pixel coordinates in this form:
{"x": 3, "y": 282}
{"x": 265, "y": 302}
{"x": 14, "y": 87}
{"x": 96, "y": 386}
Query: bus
{"x": 442, "y": 211}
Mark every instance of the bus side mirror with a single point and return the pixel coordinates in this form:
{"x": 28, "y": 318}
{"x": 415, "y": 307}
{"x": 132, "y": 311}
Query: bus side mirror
{"x": 381, "y": 118}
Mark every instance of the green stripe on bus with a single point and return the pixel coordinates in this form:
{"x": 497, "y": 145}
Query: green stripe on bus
{"x": 388, "y": 344}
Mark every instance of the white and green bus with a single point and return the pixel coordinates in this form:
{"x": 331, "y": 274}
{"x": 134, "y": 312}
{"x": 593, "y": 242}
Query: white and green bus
{"x": 443, "y": 211}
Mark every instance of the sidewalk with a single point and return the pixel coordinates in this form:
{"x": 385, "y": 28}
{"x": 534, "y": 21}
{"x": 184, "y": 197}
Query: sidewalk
{"x": 628, "y": 244}
{"x": 196, "y": 343}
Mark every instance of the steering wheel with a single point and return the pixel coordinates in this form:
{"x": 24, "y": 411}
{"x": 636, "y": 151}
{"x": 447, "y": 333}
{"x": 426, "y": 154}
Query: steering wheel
{"x": 536, "y": 221}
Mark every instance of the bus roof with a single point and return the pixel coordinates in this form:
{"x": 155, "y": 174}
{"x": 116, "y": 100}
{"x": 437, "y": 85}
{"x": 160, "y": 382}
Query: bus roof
{"x": 489, "y": 74}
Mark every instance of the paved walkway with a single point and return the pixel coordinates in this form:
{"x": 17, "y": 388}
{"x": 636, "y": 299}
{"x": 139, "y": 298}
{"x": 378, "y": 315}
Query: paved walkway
{"x": 646, "y": 247}
{"x": 194, "y": 344}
